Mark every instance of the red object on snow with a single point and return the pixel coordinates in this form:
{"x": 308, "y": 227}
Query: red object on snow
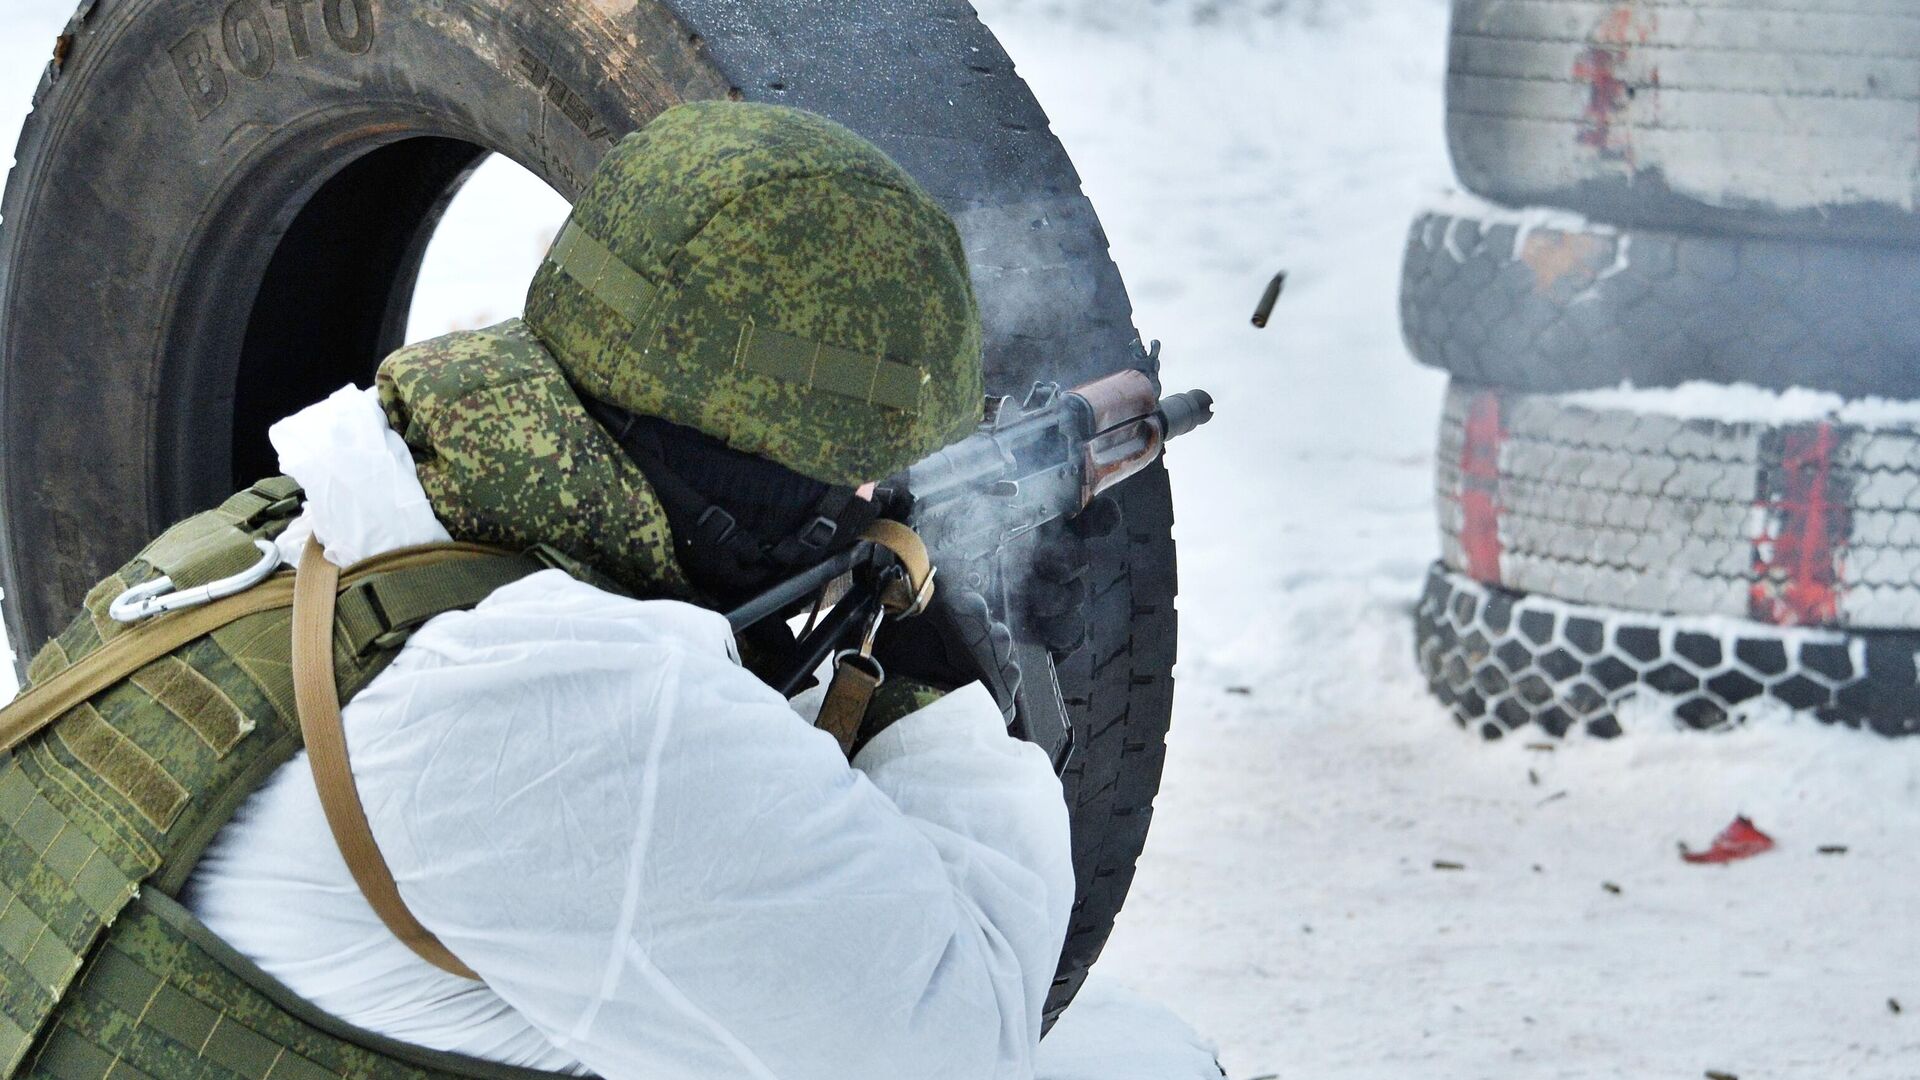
{"x": 1740, "y": 840}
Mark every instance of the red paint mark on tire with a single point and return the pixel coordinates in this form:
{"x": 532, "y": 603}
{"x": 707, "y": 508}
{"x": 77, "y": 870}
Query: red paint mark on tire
{"x": 1602, "y": 67}
{"x": 1480, "y": 487}
{"x": 1803, "y": 537}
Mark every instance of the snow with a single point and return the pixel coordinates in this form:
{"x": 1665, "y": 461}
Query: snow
{"x": 1289, "y": 905}
{"x": 1110, "y": 1034}
{"x": 1458, "y": 202}
{"x": 1746, "y": 403}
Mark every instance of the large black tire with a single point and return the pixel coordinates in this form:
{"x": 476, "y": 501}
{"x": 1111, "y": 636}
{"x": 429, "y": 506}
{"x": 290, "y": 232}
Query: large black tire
{"x": 1507, "y": 662}
{"x": 1529, "y": 303}
{"x": 1813, "y": 523}
{"x": 1791, "y": 119}
{"x": 218, "y": 212}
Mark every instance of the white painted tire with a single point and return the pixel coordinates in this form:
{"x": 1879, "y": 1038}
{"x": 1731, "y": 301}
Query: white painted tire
{"x": 1812, "y": 523}
{"x": 1761, "y": 117}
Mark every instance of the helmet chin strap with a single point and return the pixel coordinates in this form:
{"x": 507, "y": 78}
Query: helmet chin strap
{"x": 713, "y": 545}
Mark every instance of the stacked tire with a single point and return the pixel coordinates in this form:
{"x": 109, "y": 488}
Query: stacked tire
{"x": 1669, "y": 195}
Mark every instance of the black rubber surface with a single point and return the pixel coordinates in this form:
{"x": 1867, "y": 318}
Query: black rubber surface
{"x": 1508, "y": 662}
{"x": 1550, "y": 309}
{"x": 218, "y": 211}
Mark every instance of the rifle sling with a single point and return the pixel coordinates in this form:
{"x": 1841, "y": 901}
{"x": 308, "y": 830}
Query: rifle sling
{"x": 908, "y": 596}
{"x": 316, "y": 695}
{"x": 857, "y": 677}
{"x": 48, "y": 700}
{"x": 447, "y": 576}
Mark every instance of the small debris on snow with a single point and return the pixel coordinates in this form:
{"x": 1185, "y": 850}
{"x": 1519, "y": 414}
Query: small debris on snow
{"x": 1555, "y": 797}
{"x": 1448, "y": 864}
{"x": 1716, "y": 1074}
{"x": 1533, "y": 778}
{"x": 1243, "y": 691}
{"x": 1541, "y": 747}
{"x": 1893, "y": 1006}
{"x": 1612, "y": 888}
{"x": 1832, "y": 849}
{"x": 1740, "y": 840}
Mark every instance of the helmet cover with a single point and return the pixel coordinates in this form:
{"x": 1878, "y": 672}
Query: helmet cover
{"x": 765, "y": 276}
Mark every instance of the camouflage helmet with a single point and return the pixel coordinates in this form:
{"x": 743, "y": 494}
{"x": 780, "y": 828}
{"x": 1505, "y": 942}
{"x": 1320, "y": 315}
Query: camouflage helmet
{"x": 766, "y": 276}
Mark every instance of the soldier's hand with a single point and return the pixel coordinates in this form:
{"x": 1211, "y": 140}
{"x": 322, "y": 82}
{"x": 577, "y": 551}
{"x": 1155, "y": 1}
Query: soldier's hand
{"x": 954, "y": 642}
{"x": 1053, "y": 599}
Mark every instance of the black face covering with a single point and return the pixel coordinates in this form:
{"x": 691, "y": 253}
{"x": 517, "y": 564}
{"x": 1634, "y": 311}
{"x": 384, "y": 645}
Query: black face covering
{"x": 740, "y": 522}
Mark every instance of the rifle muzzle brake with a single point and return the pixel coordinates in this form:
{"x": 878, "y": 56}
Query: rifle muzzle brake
{"x": 1181, "y": 413}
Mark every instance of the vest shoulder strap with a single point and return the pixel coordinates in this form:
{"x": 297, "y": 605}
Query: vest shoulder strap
{"x": 133, "y": 746}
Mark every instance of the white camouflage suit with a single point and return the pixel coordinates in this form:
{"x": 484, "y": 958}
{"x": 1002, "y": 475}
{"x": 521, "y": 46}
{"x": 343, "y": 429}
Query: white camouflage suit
{"x": 657, "y": 868}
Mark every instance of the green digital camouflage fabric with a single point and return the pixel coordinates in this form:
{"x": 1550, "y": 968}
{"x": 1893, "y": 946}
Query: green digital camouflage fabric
{"x": 768, "y": 277}
{"x": 103, "y": 814}
{"x": 509, "y": 456}
{"x": 897, "y": 697}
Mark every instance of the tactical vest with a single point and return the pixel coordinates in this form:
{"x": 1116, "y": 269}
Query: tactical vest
{"x": 105, "y": 811}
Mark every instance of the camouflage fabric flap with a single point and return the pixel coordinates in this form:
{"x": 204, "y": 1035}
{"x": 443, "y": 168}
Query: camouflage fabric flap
{"x": 508, "y": 456}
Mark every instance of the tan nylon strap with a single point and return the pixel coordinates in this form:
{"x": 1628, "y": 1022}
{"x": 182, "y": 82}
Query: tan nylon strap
{"x": 910, "y": 596}
{"x": 48, "y": 700}
{"x": 147, "y": 641}
{"x": 316, "y": 584}
{"x": 857, "y": 676}
{"x": 848, "y": 696}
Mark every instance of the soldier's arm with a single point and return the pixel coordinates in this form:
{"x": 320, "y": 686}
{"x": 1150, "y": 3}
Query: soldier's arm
{"x": 643, "y": 850}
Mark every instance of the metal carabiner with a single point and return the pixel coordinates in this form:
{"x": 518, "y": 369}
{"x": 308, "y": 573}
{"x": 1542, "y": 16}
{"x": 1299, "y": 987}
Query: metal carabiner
{"x": 158, "y": 595}
{"x": 864, "y": 654}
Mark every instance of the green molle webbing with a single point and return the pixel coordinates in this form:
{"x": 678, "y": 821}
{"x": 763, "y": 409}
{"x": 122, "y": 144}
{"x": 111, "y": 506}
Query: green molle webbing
{"x": 377, "y": 613}
{"x": 118, "y": 796}
{"x": 811, "y": 365}
{"x": 600, "y": 271}
{"x": 221, "y": 545}
{"x": 165, "y": 998}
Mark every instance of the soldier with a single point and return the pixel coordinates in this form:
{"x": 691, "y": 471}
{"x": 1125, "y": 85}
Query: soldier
{"x": 579, "y": 835}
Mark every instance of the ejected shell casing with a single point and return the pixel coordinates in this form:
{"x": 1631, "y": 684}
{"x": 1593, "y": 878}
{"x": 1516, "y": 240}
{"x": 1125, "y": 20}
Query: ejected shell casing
{"x": 1264, "y": 309}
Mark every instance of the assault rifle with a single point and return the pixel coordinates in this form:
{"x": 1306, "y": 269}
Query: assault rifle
{"x": 981, "y": 505}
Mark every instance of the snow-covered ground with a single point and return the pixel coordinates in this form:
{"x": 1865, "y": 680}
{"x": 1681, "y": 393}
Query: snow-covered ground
{"x": 1289, "y": 904}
